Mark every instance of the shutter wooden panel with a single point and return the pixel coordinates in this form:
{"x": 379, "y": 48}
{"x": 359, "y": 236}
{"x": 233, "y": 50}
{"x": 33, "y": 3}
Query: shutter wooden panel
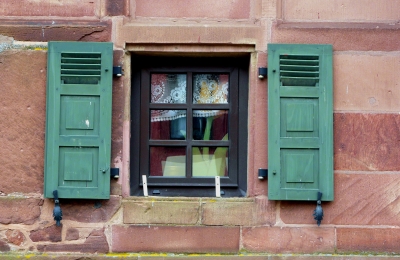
{"x": 78, "y": 120}
{"x": 300, "y": 122}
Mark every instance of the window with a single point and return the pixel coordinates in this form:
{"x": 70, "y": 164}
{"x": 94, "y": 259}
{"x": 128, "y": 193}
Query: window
{"x": 189, "y": 124}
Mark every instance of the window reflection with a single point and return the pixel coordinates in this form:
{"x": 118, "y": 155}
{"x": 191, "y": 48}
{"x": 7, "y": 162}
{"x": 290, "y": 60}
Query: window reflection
{"x": 174, "y": 129}
{"x": 210, "y": 161}
{"x": 168, "y": 161}
{"x": 210, "y": 88}
{"x": 168, "y": 89}
{"x": 210, "y": 124}
{"x": 205, "y": 124}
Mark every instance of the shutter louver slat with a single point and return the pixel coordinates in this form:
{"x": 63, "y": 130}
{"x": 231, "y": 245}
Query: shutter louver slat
{"x": 299, "y": 70}
{"x": 80, "y": 68}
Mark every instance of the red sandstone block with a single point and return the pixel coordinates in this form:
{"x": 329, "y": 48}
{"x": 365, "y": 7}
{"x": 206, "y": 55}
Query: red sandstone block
{"x": 115, "y": 187}
{"x": 265, "y": 211}
{"x": 240, "y": 212}
{"x": 95, "y": 243}
{"x": 227, "y": 213}
{"x": 344, "y": 10}
{"x": 222, "y": 9}
{"x": 161, "y": 212}
{"x": 175, "y": 239}
{"x": 367, "y": 142}
{"x": 58, "y": 30}
{"x": 356, "y": 90}
{"x": 289, "y": 240}
{"x": 15, "y": 237}
{"x": 66, "y": 8}
{"x": 51, "y": 233}
{"x": 22, "y": 120}
{"x": 348, "y": 37}
{"x": 19, "y": 210}
{"x": 84, "y": 211}
{"x": 258, "y": 127}
{"x": 72, "y": 234}
{"x": 360, "y": 199}
{"x": 117, "y": 7}
{"x": 384, "y": 240}
{"x": 197, "y": 34}
{"x": 117, "y": 131}
{"x": 90, "y": 211}
{"x": 270, "y": 9}
{"x": 118, "y": 106}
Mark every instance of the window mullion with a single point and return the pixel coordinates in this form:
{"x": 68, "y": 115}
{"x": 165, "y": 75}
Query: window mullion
{"x": 189, "y": 123}
{"x": 144, "y": 122}
{"x": 233, "y": 125}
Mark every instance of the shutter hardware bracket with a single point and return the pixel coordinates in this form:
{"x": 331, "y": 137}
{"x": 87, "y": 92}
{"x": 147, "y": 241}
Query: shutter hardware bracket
{"x": 262, "y": 72}
{"x": 117, "y": 71}
{"x": 114, "y": 173}
{"x": 262, "y": 174}
{"x": 319, "y": 212}
{"x": 57, "y": 213}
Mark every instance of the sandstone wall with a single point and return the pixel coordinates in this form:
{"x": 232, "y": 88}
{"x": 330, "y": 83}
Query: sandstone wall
{"x": 365, "y": 215}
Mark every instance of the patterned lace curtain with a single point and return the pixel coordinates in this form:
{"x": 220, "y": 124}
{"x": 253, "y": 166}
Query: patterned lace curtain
{"x": 171, "y": 88}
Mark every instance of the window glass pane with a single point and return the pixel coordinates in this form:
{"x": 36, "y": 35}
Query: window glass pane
{"x": 210, "y": 161}
{"x": 172, "y": 129}
{"x": 168, "y": 161}
{"x": 210, "y": 124}
{"x": 168, "y": 88}
{"x": 210, "y": 88}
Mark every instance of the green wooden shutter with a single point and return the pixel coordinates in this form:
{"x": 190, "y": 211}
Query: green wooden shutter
{"x": 300, "y": 122}
{"x": 78, "y": 120}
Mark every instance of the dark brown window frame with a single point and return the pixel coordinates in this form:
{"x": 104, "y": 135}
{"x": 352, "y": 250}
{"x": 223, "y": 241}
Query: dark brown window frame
{"x": 142, "y": 67}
